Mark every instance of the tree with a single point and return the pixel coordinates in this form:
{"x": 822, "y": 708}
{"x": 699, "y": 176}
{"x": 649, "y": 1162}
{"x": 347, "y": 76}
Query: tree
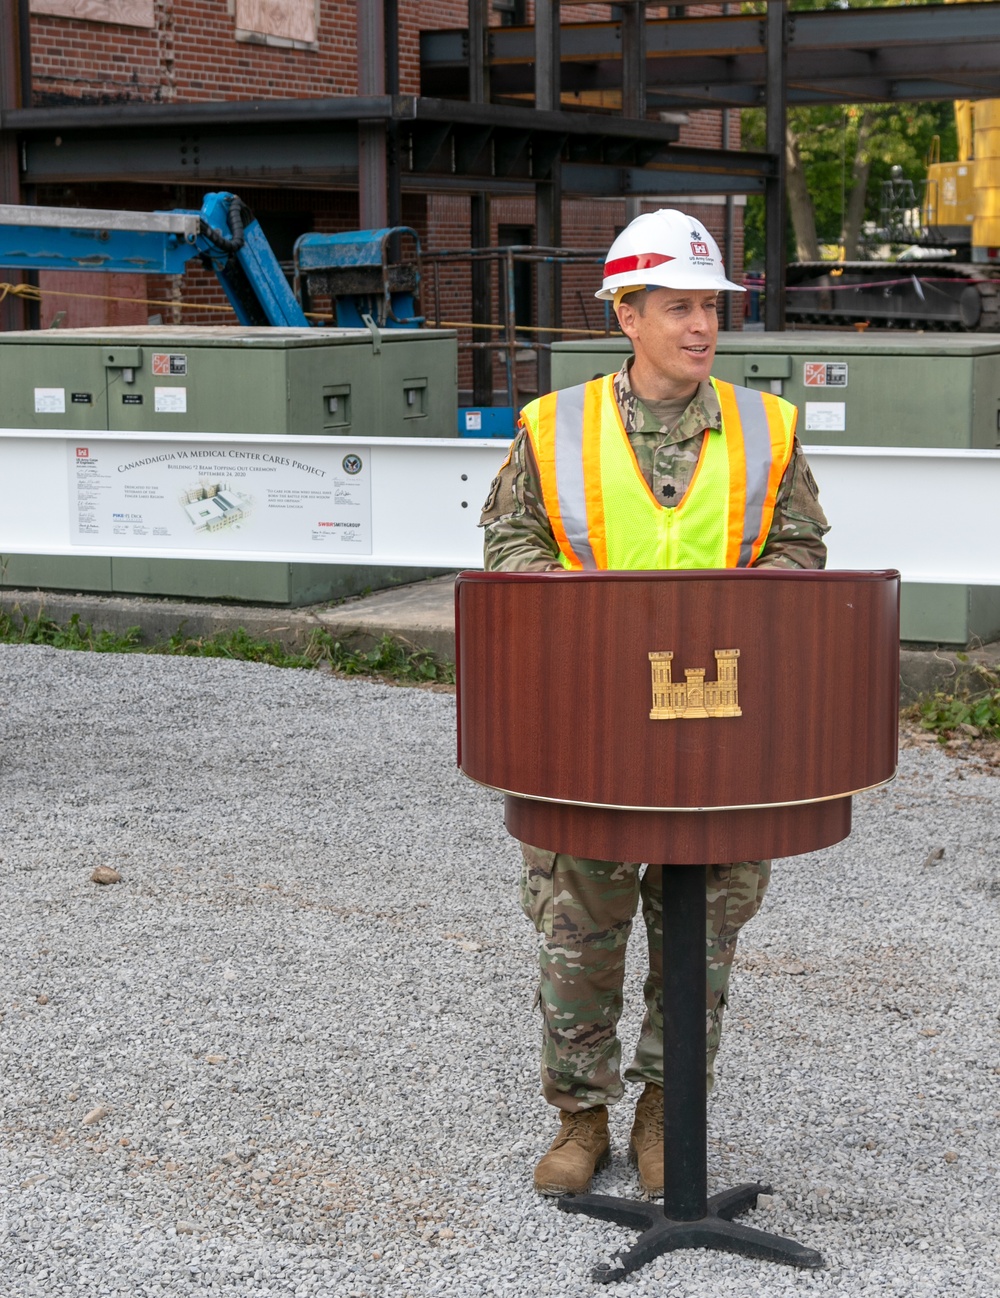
{"x": 837, "y": 157}
{"x": 800, "y": 201}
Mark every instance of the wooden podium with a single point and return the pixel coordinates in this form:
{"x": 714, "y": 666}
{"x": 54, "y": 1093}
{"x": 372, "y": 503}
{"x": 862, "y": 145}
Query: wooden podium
{"x": 682, "y": 719}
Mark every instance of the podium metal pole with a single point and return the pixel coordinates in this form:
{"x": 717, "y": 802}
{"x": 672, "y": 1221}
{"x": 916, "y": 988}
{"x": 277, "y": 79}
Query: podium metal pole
{"x": 687, "y": 1218}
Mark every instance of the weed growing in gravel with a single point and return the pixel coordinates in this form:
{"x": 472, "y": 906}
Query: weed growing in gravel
{"x": 388, "y": 659}
{"x": 16, "y": 628}
{"x": 973, "y": 711}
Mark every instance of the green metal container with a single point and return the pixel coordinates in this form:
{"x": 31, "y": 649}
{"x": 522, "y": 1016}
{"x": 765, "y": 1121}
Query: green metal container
{"x": 237, "y": 380}
{"x": 871, "y": 389}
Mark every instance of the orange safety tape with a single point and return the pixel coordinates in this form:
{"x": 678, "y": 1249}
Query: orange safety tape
{"x": 529, "y": 329}
{"x": 33, "y": 294}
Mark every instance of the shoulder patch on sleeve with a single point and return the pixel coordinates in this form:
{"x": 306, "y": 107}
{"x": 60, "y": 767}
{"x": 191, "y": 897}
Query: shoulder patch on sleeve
{"x": 500, "y": 499}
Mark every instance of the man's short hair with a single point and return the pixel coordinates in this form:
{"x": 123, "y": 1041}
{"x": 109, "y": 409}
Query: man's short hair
{"x": 638, "y": 299}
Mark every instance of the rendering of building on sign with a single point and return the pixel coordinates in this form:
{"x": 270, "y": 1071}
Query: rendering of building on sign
{"x": 694, "y": 696}
{"x": 213, "y": 505}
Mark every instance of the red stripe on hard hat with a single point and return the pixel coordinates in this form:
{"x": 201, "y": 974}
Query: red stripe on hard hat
{"x": 644, "y": 261}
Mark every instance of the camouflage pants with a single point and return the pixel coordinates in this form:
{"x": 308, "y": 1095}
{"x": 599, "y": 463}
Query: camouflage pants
{"x": 583, "y": 910}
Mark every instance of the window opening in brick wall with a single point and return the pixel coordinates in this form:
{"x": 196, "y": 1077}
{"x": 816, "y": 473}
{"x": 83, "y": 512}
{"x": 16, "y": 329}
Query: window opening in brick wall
{"x": 129, "y": 13}
{"x": 519, "y": 236}
{"x": 513, "y": 13}
{"x": 288, "y": 23}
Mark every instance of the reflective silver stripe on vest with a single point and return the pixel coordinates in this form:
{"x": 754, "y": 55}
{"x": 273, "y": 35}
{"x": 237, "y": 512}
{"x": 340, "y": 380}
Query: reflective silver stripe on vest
{"x": 569, "y": 472}
{"x": 757, "y": 454}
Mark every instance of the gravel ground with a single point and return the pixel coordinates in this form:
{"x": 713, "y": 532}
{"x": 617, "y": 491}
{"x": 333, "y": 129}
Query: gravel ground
{"x": 292, "y": 1052}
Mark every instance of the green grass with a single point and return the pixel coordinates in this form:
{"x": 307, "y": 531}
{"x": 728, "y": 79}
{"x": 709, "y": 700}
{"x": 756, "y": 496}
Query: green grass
{"x": 16, "y": 628}
{"x": 973, "y": 711}
{"x": 387, "y": 660}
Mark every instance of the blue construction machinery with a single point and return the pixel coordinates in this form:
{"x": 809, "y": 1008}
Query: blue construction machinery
{"x": 222, "y": 235}
{"x": 353, "y": 269}
{"x": 364, "y": 274}
{"x": 370, "y": 277}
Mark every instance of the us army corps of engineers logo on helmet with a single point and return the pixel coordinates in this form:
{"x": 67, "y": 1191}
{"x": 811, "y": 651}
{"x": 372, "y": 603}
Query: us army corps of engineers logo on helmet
{"x": 699, "y": 248}
{"x": 695, "y": 697}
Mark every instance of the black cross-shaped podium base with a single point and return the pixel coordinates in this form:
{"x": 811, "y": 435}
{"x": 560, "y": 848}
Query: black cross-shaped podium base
{"x": 687, "y": 1218}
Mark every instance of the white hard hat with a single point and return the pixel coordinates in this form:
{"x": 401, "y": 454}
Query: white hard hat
{"x": 664, "y": 249}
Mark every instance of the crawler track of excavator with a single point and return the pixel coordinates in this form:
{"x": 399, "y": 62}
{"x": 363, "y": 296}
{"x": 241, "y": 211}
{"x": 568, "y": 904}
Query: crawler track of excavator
{"x": 943, "y": 295}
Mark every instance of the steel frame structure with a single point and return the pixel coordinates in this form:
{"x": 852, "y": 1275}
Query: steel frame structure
{"x": 508, "y": 338}
{"x": 383, "y": 143}
{"x": 314, "y": 142}
{"x": 834, "y": 56}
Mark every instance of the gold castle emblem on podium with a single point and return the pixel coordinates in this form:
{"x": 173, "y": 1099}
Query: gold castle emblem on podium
{"x": 694, "y": 696}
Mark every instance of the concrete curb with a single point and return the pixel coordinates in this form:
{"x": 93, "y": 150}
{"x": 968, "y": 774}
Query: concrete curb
{"x": 158, "y": 619}
{"x": 420, "y": 615}
{"x": 927, "y": 671}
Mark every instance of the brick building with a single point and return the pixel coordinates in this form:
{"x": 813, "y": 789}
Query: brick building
{"x": 174, "y": 52}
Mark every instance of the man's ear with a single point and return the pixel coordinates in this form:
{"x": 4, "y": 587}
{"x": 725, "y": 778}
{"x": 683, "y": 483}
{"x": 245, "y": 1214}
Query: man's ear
{"x": 626, "y": 319}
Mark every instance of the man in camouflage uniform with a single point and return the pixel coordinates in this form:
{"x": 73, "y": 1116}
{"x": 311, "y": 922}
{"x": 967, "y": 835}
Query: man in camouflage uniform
{"x": 583, "y": 909}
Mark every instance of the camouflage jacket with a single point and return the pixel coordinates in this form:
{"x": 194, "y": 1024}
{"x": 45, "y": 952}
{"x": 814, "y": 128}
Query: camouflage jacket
{"x": 518, "y": 537}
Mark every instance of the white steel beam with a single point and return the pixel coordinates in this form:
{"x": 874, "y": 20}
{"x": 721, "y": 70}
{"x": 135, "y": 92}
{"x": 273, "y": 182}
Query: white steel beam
{"x": 183, "y": 224}
{"x": 411, "y": 502}
{"x": 415, "y": 502}
{"x": 932, "y": 514}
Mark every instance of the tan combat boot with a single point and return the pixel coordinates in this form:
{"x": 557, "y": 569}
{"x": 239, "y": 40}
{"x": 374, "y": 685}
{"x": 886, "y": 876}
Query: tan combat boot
{"x": 582, "y": 1148}
{"x": 645, "y": 1145}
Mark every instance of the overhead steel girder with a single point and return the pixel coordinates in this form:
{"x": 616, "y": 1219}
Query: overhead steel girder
{"x": 307, "y": 143}
{"x": 260, "y": 115}
{"x": 866, "y": 75}
{"x": 687, "y": 98}
{"x": 333, "y": 161}
{"x": 970, "y": 64}
{"x": 195, "y": 158}
{"x": 614, "y": 182}
{"x": 740, "y": 81}
{"x": 831, "y": 29}
{"x": 872, "y": 54}
{"x": 869, "y": 91}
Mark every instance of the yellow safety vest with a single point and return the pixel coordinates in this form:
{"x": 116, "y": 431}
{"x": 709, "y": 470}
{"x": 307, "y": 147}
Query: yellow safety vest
{"x": 602, "y": 511}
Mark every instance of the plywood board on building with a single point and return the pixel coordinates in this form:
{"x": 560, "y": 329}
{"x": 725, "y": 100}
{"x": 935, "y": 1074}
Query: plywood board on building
{"x": 130, "y": 13}
{"x": 84, "y": 299}
{"x": 292, "y": 20}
